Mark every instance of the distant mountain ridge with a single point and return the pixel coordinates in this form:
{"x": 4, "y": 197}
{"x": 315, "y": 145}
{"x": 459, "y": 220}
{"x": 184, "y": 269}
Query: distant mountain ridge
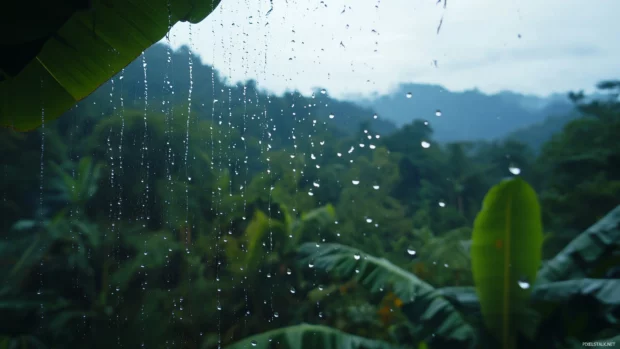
{"x": 468, "y": 115}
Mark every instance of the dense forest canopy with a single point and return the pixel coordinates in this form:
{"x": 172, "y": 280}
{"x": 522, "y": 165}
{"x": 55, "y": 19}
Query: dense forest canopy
{"x": 164, "y": 211}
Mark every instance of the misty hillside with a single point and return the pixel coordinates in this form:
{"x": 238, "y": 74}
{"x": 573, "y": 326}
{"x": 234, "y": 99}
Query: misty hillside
{"x": 464, "y": 116}
{"x": 468, "y": 115}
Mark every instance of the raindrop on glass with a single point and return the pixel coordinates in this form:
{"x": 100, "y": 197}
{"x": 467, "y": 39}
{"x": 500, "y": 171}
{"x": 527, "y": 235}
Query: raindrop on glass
{"x": 425, "y": 144}
{"x": 409, "y": 95}
{"x": 523, "y": 284}
{"x": 437, "y": 112}
{"x": 411, "y": 252}
{"x": 442, "y": 204}
{"x": 375, "y": 187}
{"x": 331, "y": 116}
{"x": 355, "y": 182}
{"x": 357, "y": 256}
{"x": 514, "y": 170}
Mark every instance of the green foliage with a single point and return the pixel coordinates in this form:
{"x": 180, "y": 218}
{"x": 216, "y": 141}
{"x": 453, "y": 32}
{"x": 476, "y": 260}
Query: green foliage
{"x": 421, "y": 303}
{"x": 79, "y": 50}
{"x": 307, "y": 336}
{"x": 147, "y": 223}
{"x": 581, "y": 164}
{"x": 506, "y": 252}
{"x": 591, "y": 254}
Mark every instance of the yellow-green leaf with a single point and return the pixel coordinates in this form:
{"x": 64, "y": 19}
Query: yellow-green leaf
{"x": 506, "y": 254}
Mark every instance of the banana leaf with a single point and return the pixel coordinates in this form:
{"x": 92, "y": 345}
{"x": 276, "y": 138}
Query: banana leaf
{"x": 583, "y": 309}
{"x": 66, "y": 49}
{"x": 586, "y": 252}
{"x": 307, "y": 336}
{"x": 506, "y": 254}
{"x": 423, "y": 304}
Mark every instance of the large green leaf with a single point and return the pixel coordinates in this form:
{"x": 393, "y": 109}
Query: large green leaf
{"x": 423, "y": 304}
{"x": 585, "y": 253}
{"x": 506, "y": 254}
{"x": 308, "y": 337}
{"x": 75, "y": 56}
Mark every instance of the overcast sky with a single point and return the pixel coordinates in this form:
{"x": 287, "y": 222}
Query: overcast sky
{"x": 530, "y": 46}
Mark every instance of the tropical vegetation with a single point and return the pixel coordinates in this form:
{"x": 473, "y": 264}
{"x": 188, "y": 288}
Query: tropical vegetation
{"x": 211, "y": 214}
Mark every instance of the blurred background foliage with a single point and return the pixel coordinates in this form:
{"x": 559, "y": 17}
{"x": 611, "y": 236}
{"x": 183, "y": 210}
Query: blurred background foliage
{"x": 163, "y": 225}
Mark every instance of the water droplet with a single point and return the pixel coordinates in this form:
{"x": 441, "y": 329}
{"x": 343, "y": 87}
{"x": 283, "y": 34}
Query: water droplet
{"x": 288, "y": 271}
{"x": 437, "y": 112}
{"x": 253, "y": 343}
{"x": 523, "y": 284}
{"x": 355, "y": 182}
{"x": 425, "y": 144}
{"x": 331, "y": 116}
{"x": 276, "y": 314}
{"x": 374, "y": 116}
{"x": 315, "y": 184}
{"x": 409, "y": 95}
{"x": 310, "y": 265}
{"x": 368, "y": 220}
{"x": 514, "y": 170}
{"x": 323, "y": 91}
{"x": 293, "y": 290}
{"x": 357, "y": 256}
{"x": 442, "y": 204}
{"x": 310, "y": 193}
{"x": 375, "y": 187}
{"x": 411, "y": 252}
